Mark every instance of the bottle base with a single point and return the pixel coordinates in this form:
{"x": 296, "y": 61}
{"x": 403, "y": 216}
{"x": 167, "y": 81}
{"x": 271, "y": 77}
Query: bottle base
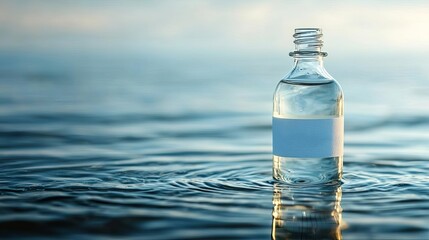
{"x": 307, "y": 170}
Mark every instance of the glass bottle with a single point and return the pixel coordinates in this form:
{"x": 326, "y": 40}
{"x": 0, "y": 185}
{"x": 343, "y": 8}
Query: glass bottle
{"x": 308, "y": 123}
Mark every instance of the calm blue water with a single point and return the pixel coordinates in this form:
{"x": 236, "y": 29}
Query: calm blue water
{"x": 164, "y": 147}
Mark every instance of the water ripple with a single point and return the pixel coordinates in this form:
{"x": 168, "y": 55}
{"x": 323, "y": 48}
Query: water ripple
{"x": 134, "y": 157}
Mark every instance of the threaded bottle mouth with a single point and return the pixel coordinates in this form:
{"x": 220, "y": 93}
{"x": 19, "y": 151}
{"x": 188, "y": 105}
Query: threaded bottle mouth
{"x": 308, "y": 42}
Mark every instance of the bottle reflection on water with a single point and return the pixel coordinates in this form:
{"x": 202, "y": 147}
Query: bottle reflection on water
{"x": 307, "y": 212}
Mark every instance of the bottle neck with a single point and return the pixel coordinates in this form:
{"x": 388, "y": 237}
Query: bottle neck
{"x": 308, "y": 57}
{"x": 308, "y": 69}
{"x": 308, "y": 62}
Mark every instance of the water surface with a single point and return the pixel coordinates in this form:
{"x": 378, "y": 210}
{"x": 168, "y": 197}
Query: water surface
{"x": 149, "y": 147}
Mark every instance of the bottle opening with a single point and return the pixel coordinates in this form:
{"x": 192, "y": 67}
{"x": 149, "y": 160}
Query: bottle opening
{"x": 308, "y": 42}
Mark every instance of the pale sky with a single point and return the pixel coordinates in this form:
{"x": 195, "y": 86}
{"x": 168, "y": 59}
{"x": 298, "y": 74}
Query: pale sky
{"x": 265, "y": 26}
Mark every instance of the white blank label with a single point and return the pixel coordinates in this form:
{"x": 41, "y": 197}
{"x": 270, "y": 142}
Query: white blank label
{"x": 307, "y": 138}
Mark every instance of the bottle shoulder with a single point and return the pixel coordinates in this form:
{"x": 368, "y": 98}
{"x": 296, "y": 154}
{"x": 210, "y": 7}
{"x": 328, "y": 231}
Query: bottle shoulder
{"x": 308, "y": 72}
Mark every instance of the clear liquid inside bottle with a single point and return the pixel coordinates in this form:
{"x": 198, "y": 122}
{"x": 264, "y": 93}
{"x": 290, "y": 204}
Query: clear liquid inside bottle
{"x": 308, "y": 92}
